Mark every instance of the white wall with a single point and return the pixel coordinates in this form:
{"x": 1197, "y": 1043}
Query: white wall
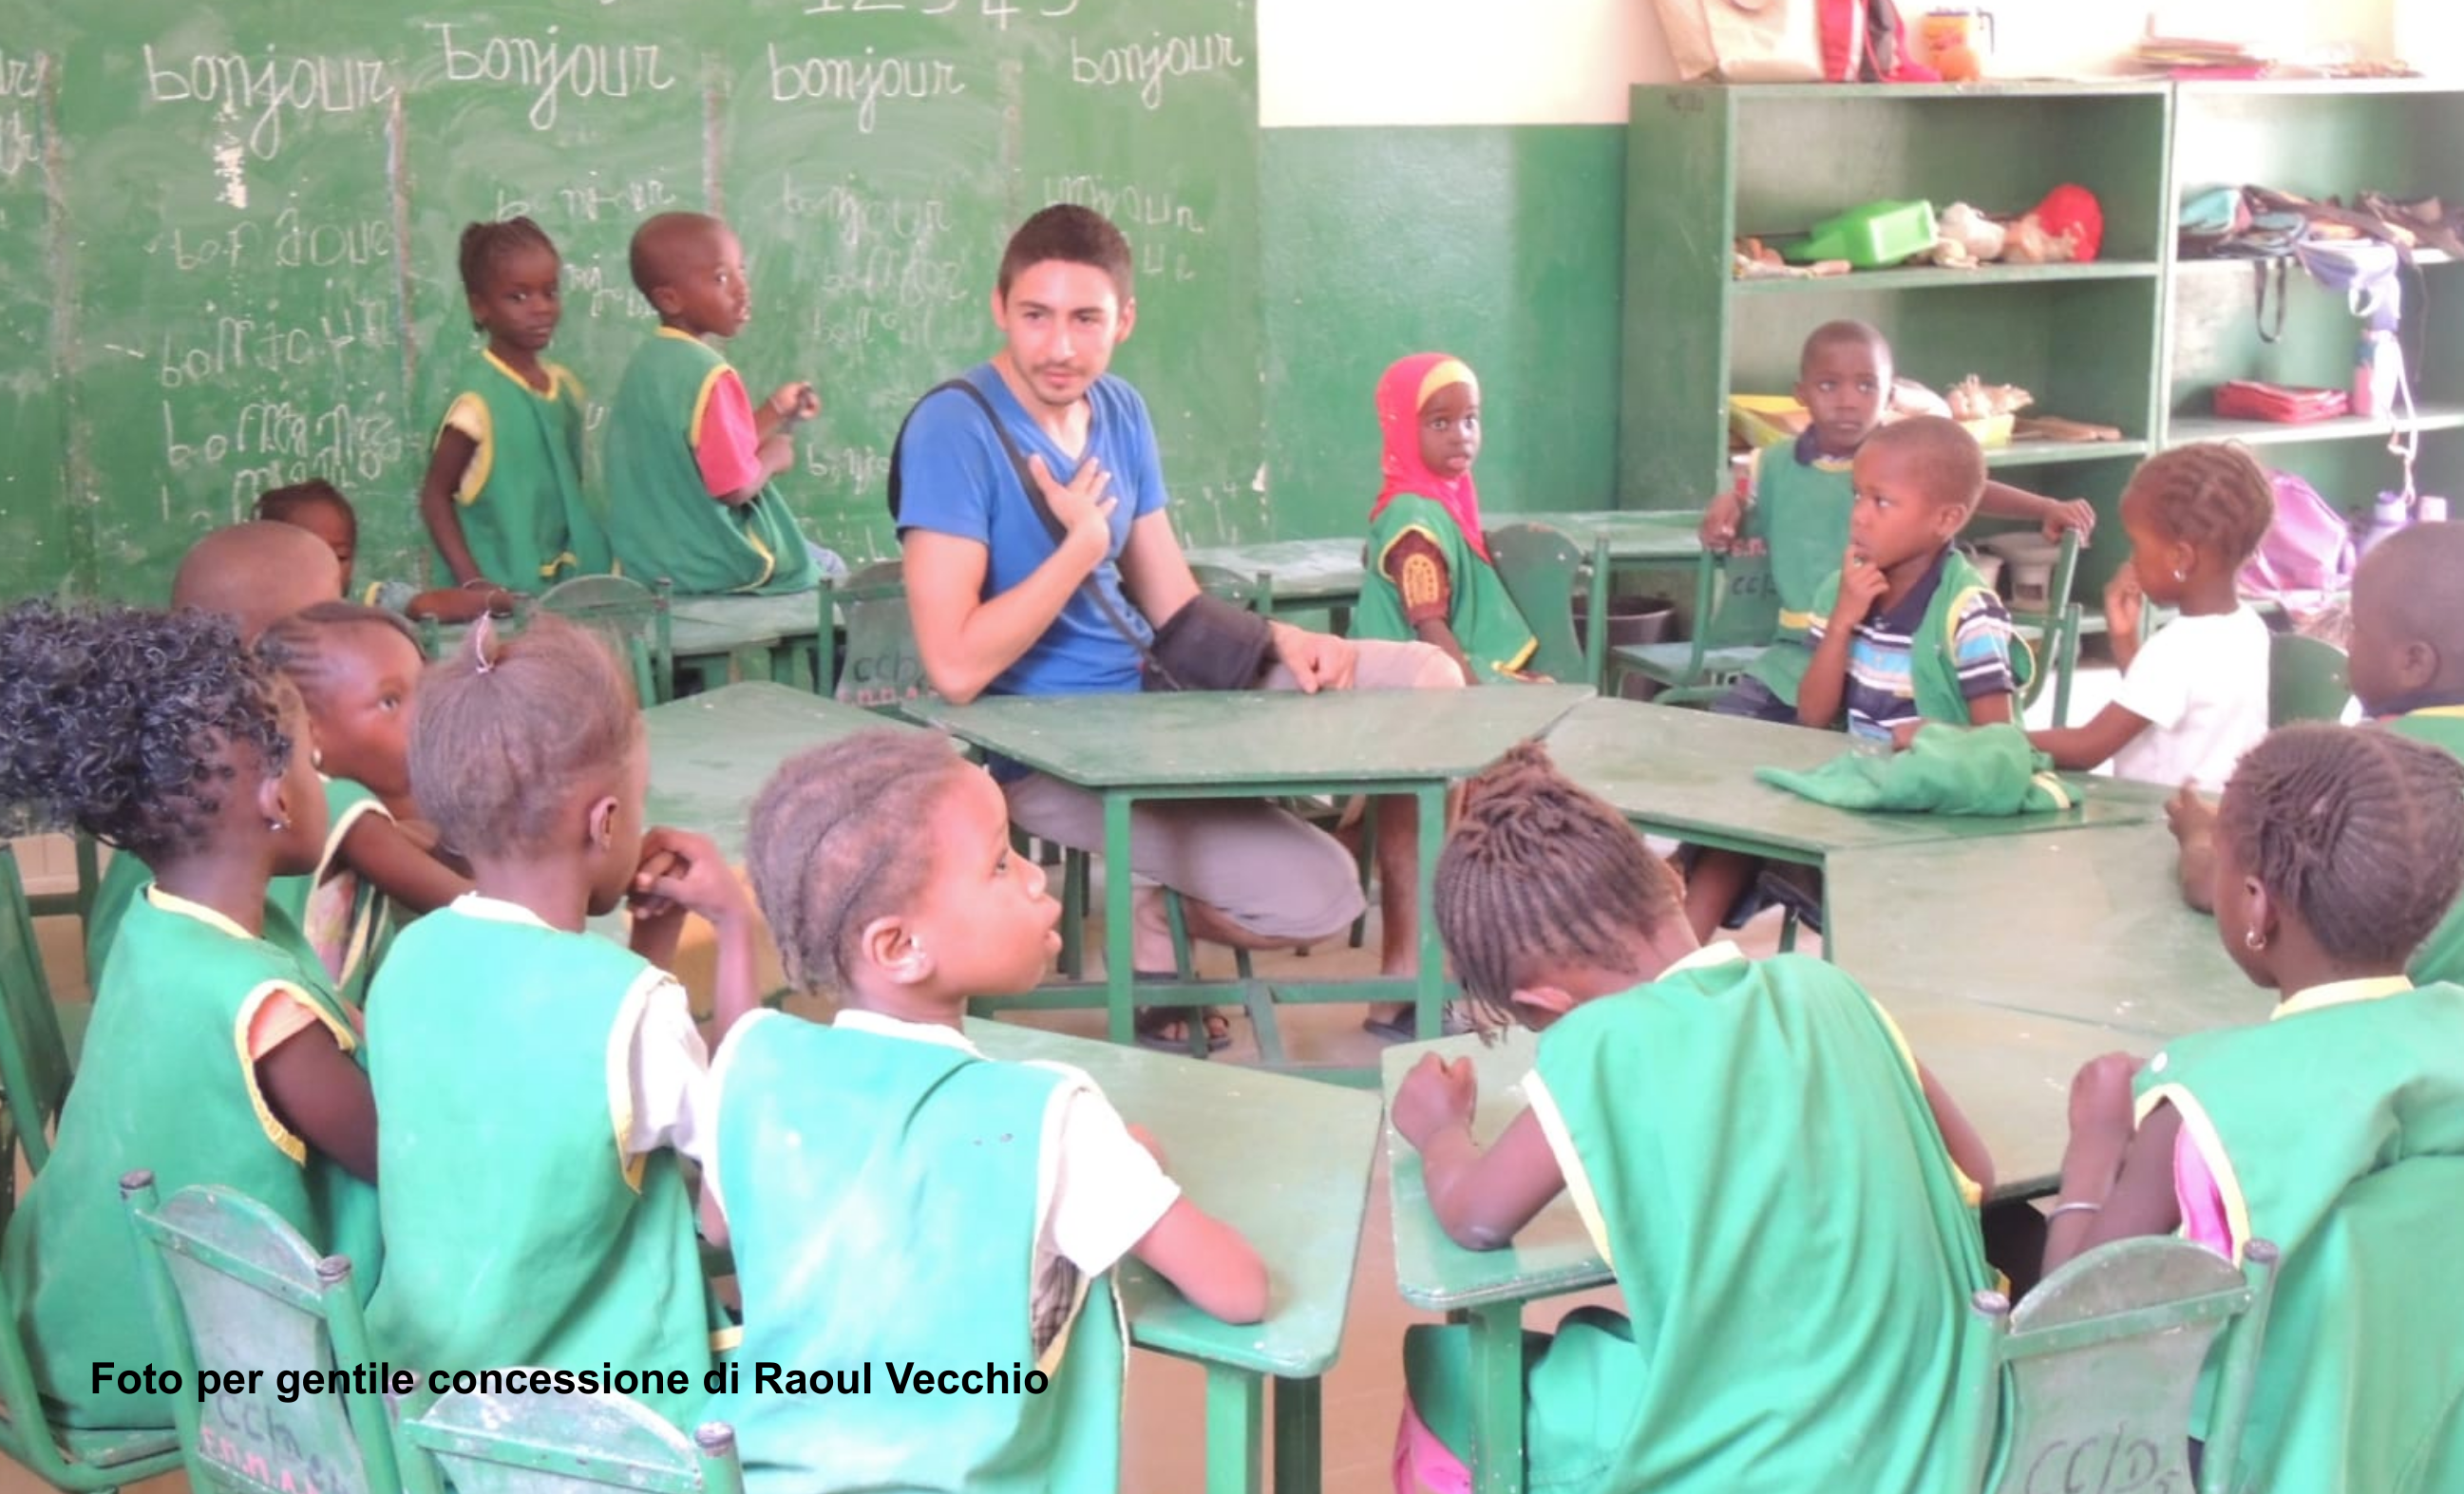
{"x": 1570, "y": 61}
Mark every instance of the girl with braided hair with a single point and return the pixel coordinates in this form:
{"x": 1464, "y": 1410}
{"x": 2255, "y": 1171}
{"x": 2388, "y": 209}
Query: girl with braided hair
{"x": 2193, "y": 698}
{"x": 215, "y": 1055}
{"x": 539, "y": 1083}
{"x": 891, "y": 1194}
{"x": 503, "y": 499}
{"x": 1787, "y": 1196}
{"x": 2336, "y": 852}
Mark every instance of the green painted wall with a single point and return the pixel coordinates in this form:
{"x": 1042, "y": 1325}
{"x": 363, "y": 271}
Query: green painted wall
{"x": 1500, "y": 245}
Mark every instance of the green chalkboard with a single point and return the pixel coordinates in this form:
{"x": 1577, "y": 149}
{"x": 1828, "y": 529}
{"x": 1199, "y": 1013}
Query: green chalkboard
{"x": 229, "y": 233}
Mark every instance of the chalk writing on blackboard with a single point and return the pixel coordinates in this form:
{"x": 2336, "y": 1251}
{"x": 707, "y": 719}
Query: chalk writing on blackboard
{"x": 998, "y": 12}
{"x": 1143, "y": 66}
{"x": 863, "y": 81}
{"x": 260, "y": 90}
{"x": 554, "y": 69}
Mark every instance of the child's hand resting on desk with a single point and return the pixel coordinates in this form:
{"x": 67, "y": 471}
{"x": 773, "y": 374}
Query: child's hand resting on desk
{"x": 1433, "y": 1097}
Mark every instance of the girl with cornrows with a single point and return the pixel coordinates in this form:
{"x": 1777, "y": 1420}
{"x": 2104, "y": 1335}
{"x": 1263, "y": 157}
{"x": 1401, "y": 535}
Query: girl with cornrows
{"x": 503, "y": 499}
{"x": 2333, "y": 1131}
{"x": 2193, "y": 698}
{"x": 1787, "y": 1196}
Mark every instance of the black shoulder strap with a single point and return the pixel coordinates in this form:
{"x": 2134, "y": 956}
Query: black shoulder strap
{"x": 1017, "y": 458}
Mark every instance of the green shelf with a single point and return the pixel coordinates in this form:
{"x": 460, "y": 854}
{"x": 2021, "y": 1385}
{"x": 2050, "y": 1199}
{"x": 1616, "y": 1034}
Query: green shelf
{"x": 2344, "y": 427}
{"x": 1931, "y": 277}
{"x": 2044, "y": 453}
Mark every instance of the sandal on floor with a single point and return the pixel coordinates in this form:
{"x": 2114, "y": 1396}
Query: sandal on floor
{"x": 1153, "y": 1019}
{"x": 1453, "y": 1023}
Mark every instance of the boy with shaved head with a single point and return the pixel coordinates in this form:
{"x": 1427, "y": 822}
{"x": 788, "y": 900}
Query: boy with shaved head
{"x": 690, "y": 460}
{"x": 257, "y": 574}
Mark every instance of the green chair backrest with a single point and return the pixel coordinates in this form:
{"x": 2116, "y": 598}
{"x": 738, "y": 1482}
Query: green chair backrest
{"x": 34, "y": 1056}
{"x": 1543, "y": 570}
{"x": 2101, "y": 1360}
{"x": 1736, "y": 605}
{"x": 883, "y": 667}
{"x": 235, "y": 1289}
{"x": 634, "y": 618}
{"x": 2307, "y": 680}
{"x": 569, "y": 1444}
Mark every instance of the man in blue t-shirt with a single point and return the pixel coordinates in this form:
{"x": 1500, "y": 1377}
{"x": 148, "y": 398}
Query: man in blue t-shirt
{"x": 1000, "y": 609}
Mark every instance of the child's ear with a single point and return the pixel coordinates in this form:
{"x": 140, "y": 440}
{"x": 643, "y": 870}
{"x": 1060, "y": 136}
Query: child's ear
{"x": 600, "y": 824}
{"x": 2416, "y": 663}
{"x": 665, "y": 300}
{"x": 1949, "y": 518}
{"x": 1548, "y": 1002}
{"x": 2265, "y": 921}
{"x": 273, "y": 799}
{"x": 889, "y": 945}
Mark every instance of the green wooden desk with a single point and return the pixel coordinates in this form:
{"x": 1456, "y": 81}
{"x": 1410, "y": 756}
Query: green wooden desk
{"x": 785, "y": 629}
{"x": 1691, "y": 774}
{"x": 1255, "y": 744}
{"x": 710, "y": 753}
{"x": 2011, "y": 962}
{"x": 1287, "y": 1162}
{"x": 1632, "y": 533}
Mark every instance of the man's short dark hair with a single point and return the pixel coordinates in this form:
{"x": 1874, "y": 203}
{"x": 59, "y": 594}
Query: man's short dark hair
{"x": 1068, "y": 231}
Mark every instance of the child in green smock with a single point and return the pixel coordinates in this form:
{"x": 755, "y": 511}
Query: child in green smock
{"x": 2336, "y": 852}
{"x": 216, "y": 1056}
{"x": 503, "y": 500}
{"x": 1430, "y": 576}
{"x": 691, "y": 464}
{"x": 540, "y": 1082}
{"x": 2407, "y": 654}
{"x": 1787, "y": 1196}
{"x": 892, "y": 1195}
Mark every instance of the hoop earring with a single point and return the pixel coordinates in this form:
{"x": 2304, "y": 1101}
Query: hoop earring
{"x": 2252, "y": 940}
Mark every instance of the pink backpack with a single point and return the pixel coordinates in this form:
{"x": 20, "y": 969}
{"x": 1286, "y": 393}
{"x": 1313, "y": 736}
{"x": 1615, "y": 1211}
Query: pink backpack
{"x": 2308, "y": 550}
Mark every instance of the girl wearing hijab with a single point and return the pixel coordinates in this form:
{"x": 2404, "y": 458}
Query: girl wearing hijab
{"x": 1430, "y": 576}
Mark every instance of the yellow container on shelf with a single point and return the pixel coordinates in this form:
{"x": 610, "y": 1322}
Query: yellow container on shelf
{"x": 1762, "y": 420}
{"x": 1991, "y": 431}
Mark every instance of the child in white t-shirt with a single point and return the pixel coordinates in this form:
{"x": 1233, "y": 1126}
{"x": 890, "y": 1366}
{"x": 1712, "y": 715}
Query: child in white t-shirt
{"x": 2193, "y": 698}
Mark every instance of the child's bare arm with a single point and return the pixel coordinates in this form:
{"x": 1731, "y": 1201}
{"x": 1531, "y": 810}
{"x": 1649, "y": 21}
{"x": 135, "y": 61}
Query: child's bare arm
{"x": 1480, "y": 1199}
{"x": 1435, "y": 632}
{"x": 788, "y": 406}
{"x": 1994, "y": 710}
{"x": 774, "y": 455}
{"x": 460, "y": 604}
{"x": 1820, "y": 695}
{"x": 682, "y": 873}
{"x": 1959, "y": 1138}
{"x": 446, "y": 466}
{"x": 377, "y": 848}
{"x": 324, "y": 1098}
{"x": 1212, "y": 1264}
{"x": 2077, "y": 747}
{"x": 2053, "y": 515}
{"x": 2127, "y": 1174}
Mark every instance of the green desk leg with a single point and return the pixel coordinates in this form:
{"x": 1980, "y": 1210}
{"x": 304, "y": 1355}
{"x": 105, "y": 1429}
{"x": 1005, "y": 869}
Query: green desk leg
{"x": 1431, "y": 970}
{"x": 1497, "y": 1399}
{"x": 1120, "y": 981}
{"x": 1234, "y": 1423}
{"x": 1299, "y": 1437}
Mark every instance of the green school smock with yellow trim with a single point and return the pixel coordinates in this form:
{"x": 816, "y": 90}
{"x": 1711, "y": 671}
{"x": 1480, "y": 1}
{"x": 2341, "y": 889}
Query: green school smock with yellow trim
{"x": 166, "y": 1084}
{"x": 2344, "y": 1082}
{"x": 525, "y": 512}
{"x": 1482, "y": 615}
{"x": 1748, "y": 1144}
{"x": 882, "y": 1199}
{"x": 2442, "y": 957}
{"x": 340, "y": 917}
{"x": 1933, "y": 665}
{"x": 1801, "y": 515}
{"x": 124, "y": 876}
{"x": 521, "y": 1231}
{"x": 660, "y": 513}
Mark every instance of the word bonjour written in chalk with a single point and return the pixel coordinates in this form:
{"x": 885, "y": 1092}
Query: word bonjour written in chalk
{"x": 904, "y": 1377}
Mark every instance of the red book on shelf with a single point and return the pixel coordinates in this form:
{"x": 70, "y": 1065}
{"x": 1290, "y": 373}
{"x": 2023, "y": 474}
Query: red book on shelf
{"x": 2248, "y": 399}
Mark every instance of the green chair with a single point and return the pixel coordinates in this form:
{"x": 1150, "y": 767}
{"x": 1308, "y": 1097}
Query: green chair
{"x": 2102, "y": 1359}
{"x": 2052, "y": 633}
{"x": 882, "y": 668}
{"x": 1543, "y": 571}
{"x": 2307, "y": 680}
{"x": 35, "y": 1061}
{"x": 65, "y": 1457}
{"x": 565, "y": 1444}
{"x": 235, "y": 1289}
{"x": 1736, "y": 614}
{"x": 635, "y": 618}
{"x": 78, "y": 903}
